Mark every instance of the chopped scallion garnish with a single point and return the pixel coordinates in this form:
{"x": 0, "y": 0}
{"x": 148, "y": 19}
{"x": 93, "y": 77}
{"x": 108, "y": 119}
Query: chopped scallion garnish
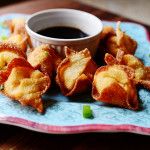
{"x": 87, "y": 111}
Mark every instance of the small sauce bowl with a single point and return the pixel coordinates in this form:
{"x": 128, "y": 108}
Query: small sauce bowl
{"x": 86, "y": 22}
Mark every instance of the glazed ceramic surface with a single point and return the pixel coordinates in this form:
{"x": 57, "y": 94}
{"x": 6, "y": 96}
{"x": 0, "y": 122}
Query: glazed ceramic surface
{"x": 63, "y": 115}
{"x": 88, "y": 23}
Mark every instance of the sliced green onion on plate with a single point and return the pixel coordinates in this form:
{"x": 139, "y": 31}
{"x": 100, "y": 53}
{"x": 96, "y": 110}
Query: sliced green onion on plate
{"x": 87, "y": 111}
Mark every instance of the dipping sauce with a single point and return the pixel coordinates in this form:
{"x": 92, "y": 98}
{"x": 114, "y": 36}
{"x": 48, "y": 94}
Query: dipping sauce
{"x": 62, "y": 32}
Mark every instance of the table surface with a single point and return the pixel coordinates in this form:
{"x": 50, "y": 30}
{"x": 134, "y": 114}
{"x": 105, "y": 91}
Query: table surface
{"x": 12, "y": 137}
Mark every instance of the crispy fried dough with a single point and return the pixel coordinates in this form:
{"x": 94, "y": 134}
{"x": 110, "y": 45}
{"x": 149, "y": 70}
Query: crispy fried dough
{"x": 113, "y": 85}
{"x": 25, "y": 84}
{"x": 45, "y": 59}
{"x": 118, "y": 40}
{"x": 7, "y": 53}
{"x": 75, "y": 73}
{"x": 17, "y": 26}
{"x": 17, "y": 29}
{"x": 142, "y": 73}
{"x": 19, "y": 41}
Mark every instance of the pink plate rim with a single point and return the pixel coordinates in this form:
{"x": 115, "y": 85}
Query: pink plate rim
{"x": 73, "y": 129}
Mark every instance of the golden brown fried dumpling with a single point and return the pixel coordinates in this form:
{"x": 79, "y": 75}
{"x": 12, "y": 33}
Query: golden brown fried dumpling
{"x": 13, "y": 63}
{"x": 120, "y": 41}
{"x": 25, "y": 84}
{"x": 134, "y": 63}
{"x": 17, "y": 26}
{"x": 125, "y": 42}
{"x": 45, "y": 59}
{"x": 142, "y": 73}
{"x": 75, "y": 73}
{"x": 113, "y": 85}
{"x": 7, "y": 53}
{"x": 19, "y": 41}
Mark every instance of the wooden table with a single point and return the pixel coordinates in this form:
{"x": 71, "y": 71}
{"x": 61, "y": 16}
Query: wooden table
{"x": 17, "y": 138}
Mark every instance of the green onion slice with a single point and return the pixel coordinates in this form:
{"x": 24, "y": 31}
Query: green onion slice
{"x": 87, "y": 111}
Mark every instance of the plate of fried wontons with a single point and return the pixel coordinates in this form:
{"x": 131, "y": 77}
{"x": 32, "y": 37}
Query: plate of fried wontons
{"x": 41, "y": 91}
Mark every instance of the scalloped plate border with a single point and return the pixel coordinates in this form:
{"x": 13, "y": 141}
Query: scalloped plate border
{"x": 73, "y": 129}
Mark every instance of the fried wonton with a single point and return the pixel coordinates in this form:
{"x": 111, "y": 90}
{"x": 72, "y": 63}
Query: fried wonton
{"x": 120, "y": 41}
{"x": 17, "y": 26}
{"x": 18, "y": 32}
{"x": 142, "y": 73}
{"x": 75, "y": 73}
{"x": 19, "y": 41}
{"x": 14, "y": 63}
{"x": 113, "y": 85}
{"x": 25, "y": 84}
{"x": 45, "y": 59}
{"x": 7, "y": 53}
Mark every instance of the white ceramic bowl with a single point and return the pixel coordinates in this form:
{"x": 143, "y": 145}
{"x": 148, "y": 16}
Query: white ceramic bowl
{"x": 84, "y": 21}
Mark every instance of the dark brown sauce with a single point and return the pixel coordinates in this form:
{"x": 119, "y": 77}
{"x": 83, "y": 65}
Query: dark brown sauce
{"x": 63, "y": 32}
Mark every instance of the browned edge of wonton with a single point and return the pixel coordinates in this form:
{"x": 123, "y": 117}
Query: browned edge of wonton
{"x": 11, "y": 48}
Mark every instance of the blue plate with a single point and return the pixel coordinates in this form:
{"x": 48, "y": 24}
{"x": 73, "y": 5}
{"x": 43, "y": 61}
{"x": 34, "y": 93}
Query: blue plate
{"x": 64, "y": 115}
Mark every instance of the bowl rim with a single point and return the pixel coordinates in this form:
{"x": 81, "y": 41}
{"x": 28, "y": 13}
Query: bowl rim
{"x": 41, "y": 37}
